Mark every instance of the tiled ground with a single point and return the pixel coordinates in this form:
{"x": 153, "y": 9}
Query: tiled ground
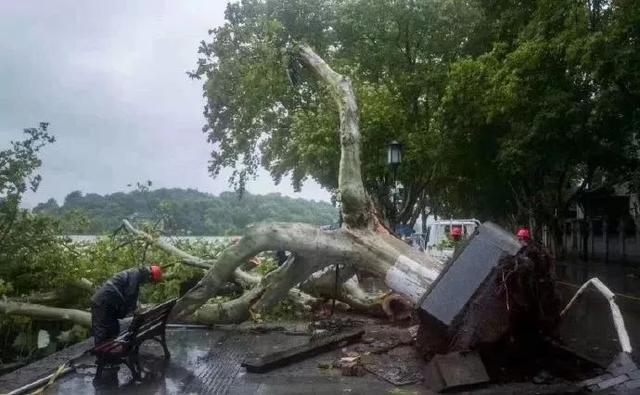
{"x": 208, "y": 362}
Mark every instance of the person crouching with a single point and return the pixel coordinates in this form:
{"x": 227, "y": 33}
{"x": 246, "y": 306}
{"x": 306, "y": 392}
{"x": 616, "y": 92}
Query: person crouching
{"x": 117, "y": 298}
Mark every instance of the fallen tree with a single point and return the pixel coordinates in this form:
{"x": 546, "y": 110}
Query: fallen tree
{"x": 362, "y": 244}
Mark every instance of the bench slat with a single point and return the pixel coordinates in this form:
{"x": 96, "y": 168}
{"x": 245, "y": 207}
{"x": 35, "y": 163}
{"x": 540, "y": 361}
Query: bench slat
{"x": 143, "y": 326}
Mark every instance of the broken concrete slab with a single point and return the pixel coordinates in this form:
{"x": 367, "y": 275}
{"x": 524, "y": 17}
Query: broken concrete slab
{"x": 455, "y": 370}
{"x": 621, "y": 374}
{"x": 494, "y": 288}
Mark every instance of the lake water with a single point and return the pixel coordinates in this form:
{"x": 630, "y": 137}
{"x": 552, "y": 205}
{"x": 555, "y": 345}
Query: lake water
{"x": 92, "y": 238}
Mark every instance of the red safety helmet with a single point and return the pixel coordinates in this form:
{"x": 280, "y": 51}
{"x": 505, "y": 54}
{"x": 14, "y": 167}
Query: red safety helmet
{"x": 156, "y": 273}
{"x": 456, "y": 231}
{"x": 523, "y": 234}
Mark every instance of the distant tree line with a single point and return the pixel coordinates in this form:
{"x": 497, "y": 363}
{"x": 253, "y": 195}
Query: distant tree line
{"x": 182, "y": 212}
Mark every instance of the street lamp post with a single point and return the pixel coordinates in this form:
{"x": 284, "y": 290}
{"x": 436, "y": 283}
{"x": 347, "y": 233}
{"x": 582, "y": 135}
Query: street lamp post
{"x": 394, "y": 157}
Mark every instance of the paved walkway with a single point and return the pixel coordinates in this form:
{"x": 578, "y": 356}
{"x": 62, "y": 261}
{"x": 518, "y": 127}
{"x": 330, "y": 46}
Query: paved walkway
{"x": 208, "y": 362}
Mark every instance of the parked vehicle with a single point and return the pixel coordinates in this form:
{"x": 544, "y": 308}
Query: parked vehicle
{"x": 437, "y": 242}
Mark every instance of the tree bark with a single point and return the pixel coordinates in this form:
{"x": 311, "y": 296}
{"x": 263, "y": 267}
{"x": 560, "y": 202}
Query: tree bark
{"x": 362, "y": 243}
{"x": 356, "y": 207}
{"x": 46, "y": 313}
{"x": 66, "y": 295}
{"x": 404, "y": 270}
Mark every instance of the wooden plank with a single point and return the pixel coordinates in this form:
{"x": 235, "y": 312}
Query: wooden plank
{"x": 294, "y": 354}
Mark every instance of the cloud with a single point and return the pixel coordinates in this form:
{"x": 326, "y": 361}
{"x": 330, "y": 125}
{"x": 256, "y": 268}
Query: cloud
{"x": 110, "y": 78}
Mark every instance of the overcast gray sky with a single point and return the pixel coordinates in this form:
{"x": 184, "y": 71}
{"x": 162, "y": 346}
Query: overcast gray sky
{"x": 110, "y": 78}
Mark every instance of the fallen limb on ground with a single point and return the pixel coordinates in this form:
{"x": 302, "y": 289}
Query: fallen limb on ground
{"x": 362, "y": 244}
{"x": 46, "y": 313}
{"x": 616, "y": 315}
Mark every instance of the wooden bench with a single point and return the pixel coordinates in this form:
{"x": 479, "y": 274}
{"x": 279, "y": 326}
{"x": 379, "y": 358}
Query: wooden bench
{"x": 147, "y": 325}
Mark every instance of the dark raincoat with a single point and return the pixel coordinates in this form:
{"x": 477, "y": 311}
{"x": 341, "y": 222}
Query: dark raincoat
{"x": 116, "y": 299}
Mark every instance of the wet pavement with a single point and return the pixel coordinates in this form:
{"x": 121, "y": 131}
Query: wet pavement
{"x": 588, "y": 327}
{"x": 208, "y": 362}
{"x": 620, "y": 278}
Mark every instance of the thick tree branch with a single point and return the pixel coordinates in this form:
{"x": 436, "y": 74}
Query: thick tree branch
{"x": 356, "y": 210}
{"x": 230, "y": 311}
{"x": 361, "y": 243}
{"x": 41, "y": 312}
{"x": 405, "y": 270}
{"x": 68, "y": 294}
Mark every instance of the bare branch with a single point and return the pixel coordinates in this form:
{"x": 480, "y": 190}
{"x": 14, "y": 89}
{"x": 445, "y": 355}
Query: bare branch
{"x": 186, "y": 258}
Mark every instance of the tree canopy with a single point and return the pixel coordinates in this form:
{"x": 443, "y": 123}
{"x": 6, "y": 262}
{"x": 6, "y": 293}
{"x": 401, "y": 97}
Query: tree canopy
{"x": 551, "y": 110}
{"x": 507, "y": 110}
{"x": 262, "y": 109}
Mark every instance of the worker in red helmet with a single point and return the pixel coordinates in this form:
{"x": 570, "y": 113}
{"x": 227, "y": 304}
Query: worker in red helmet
{"x": 456, "y": 233}
{"x": 524, "y": 235}
{"x": 117, "y": 298}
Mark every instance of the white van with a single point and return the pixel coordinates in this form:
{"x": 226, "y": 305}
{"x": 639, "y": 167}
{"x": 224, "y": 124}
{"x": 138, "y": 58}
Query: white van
{"x": 434, "y": 241}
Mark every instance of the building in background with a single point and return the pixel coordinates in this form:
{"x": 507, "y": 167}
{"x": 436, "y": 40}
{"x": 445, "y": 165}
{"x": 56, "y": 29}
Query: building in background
{"x": 604, "y": 226}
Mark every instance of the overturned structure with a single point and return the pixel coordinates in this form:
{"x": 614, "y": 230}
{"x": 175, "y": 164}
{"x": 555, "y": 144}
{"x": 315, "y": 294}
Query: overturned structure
{"x": 494, "y": 287}
{"x": 493, "y": 314}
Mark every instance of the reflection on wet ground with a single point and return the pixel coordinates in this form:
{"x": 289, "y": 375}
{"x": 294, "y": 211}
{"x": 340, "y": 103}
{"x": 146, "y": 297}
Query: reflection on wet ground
{"x": 620, "y": 278}
{"x": 208, "y": 362}
{"x": 588, "y": 327}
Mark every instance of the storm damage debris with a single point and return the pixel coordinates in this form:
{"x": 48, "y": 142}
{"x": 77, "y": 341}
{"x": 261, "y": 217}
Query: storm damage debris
{"x": 490, "y": 313}
{"x": 494, "y": 287}
{"x": 351, "y": 366}
{"x": 386, "y": 351}
{"x": 399, "y": 366}
{"x": 294, "y": 354}
{"x": 493, "y": 313}
{"x": 616, "y": 315}
{"x": 621, "y": 374}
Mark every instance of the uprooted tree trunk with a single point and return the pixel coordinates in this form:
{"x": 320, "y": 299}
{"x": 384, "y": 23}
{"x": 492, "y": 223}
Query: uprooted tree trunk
{"x": 362, "y": 243}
